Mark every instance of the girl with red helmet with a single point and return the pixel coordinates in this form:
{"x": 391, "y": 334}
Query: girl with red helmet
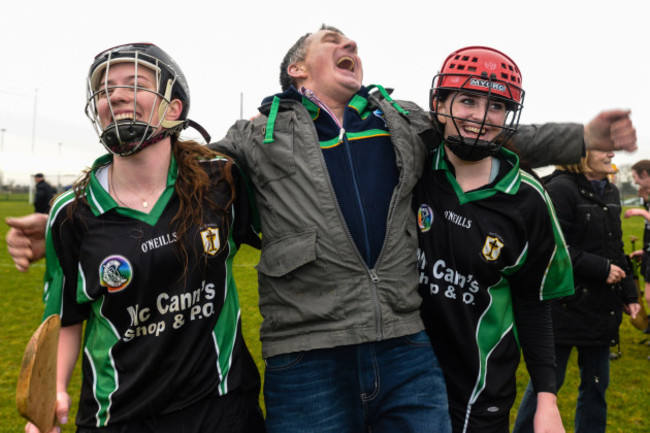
{"x": 491, "y": 252}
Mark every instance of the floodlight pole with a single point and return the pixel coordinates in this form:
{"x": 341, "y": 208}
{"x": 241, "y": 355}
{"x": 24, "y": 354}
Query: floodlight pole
{"x": 2, "y": 152}
{"x": 59, "y": 174}
{"x": 31, "y": 184}
{"x": 34, "y": 123}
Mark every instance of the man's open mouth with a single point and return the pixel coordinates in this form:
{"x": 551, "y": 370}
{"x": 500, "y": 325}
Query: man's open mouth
{"x": 346, "y": 63}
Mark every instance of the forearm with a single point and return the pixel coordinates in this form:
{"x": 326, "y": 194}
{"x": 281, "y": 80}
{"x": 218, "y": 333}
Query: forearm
{"x": 638, "y": 212}
{"x": 69, "y": 346}
{"x": 535, "y": 330}
{"x": 550, "y": 143}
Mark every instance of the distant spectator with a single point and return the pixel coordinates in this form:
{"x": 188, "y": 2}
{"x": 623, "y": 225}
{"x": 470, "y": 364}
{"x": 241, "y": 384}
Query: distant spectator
{"x": 44, "y": 194}
{"x": 641, "y": 177}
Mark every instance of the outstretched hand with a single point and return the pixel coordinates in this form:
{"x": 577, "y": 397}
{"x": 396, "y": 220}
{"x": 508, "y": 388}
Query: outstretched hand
{"x": 611, "y": 130}
{"x": 26, "y": 239}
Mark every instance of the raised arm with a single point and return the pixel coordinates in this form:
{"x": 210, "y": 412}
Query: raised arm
{"x": 565, "y": 143}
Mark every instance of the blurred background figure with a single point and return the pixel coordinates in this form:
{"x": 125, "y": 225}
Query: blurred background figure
{"x": 641, "y": 177}
{"x": 43, "y": 195}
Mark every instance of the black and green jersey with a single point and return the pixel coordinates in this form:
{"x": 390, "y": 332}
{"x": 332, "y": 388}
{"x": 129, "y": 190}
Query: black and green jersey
{"x": 160, "y": 333}
{"x": 479, "y": 250}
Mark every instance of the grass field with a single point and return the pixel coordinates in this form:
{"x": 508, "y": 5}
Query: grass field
{"x": 20, "y": 303}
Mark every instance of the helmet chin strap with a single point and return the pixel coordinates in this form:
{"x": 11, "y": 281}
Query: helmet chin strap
{"x": 471, "y": 150}
{"x": 125, "y": 149}
{"x": 117, "y": 146}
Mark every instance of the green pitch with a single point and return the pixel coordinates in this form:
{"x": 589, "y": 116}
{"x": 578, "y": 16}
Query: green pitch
{"x": 21, "y": 309}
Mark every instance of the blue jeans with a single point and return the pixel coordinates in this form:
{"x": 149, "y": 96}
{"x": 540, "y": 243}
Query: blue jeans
{"x": 391, "y": 386}
{"x": 591, "y": 408}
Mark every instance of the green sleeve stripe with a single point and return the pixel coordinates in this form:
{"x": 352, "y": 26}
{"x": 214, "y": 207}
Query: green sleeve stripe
{"x": 497, "y": 320}
{"x": 100, "y": 338}
{"x": 53, "y": 278}
{"x": 227, "y": 326}
{"x": 558, "y": 279}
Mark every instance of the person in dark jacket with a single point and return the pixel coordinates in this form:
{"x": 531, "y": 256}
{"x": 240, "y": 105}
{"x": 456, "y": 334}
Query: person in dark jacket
{"x": 588, "y": 207}
{"x": 641, "y": 177}
{"x": 43, "y": 195}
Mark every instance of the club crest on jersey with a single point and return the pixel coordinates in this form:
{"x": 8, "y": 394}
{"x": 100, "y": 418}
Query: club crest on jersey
{"x": 492, "y": 248}
{"x": 211, "y": 241}
{"x": 425, "y": 218}
{"x": 115, "y": 273}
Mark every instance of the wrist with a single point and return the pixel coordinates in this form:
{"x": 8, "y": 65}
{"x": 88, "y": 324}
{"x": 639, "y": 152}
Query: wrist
{"x": 546, "y": 398}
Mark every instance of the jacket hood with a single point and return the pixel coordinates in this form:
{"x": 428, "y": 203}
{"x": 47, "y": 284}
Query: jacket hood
{"x": 271, "y": 104}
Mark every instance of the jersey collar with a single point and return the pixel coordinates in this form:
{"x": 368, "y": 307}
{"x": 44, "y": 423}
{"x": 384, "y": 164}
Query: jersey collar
{"x": 101, "y": 202}
{"x": 508, "y": 183}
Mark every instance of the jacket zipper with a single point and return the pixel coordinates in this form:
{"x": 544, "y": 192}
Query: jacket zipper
{"x": 357, "y": 193}
{"x": 372, "y": 274}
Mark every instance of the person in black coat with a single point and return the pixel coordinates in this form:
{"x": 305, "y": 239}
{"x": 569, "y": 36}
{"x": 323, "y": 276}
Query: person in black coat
{"x": 44, "y": 194}
{"x": 589, "y": 208}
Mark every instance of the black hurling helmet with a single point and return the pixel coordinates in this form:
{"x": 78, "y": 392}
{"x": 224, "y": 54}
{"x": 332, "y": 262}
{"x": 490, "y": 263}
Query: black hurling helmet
{"x": 481, "y": 71}
{"x": 128, "y": 135}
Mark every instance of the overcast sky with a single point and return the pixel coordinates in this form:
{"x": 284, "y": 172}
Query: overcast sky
{"x": 577, "y": 57}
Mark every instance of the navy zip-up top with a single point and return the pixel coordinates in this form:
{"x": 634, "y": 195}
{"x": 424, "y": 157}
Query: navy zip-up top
{"x": 361, "y": 164}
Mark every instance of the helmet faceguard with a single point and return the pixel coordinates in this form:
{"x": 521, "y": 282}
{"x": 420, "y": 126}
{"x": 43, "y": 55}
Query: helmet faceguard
{"x": 127, "y": 136}
{"x": 483, "y": 72}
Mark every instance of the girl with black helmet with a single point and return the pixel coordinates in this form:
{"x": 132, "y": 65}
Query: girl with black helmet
{"x": 491, "y": 251}
{"x": 141, "y": 250}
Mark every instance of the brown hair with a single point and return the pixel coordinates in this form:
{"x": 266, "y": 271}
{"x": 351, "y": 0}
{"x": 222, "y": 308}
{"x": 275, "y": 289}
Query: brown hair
{"x": 641, "y": 166}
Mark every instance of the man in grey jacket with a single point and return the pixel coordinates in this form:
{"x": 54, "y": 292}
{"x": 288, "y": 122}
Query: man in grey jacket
{"x": 333, "y": 165}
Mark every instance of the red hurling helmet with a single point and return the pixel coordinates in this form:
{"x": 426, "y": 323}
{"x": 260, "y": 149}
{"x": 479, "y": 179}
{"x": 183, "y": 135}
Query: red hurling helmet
{"x": 481, "y": 71}
{"x": 476, "y": 62}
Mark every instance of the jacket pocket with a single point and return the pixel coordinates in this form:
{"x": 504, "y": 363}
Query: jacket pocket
{"x": 297, "y": 291}
{"x": 274, "y": 160}
{"x": 288, "y": 253}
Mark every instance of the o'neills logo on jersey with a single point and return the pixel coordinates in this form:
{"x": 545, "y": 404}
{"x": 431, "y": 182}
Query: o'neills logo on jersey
{"x": 425, "y": 218}
{"x": 459, "y": 220}
{"x": 492, "y": 248}
{"x": 157, "y": 242}
{"x": 211, "y": 241}
{"x": 115, "y": 273}
{"x": 487, "y": 84}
